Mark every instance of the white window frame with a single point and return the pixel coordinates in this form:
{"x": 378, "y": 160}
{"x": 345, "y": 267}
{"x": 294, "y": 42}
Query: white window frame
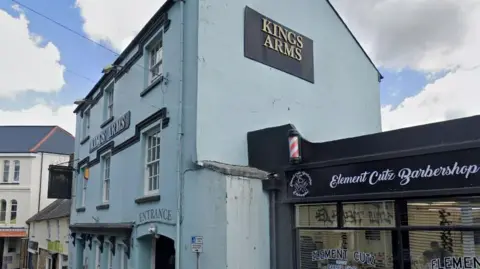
{"x": 98, "y": 256}
{"x": 86, "y": 124}
{"x": 84, "y": 188}
{"x": 155, "y": 60}
{"x": 11, "y": 210}
{"x": 151, "y": 163}
{"x": 49, "y": 263}
{"x": 16, "y": 173}
{"x": 58, "y": 229}
{"x": 6, "y": 171}
{"x": 106, "y": 176}
{"x": 109, "y": 91}
{"x": 49, "y": 230}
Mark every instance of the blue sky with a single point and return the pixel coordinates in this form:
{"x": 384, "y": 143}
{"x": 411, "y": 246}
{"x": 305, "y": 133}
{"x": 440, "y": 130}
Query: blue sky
{"x": 406, "y": 49}
{"x": 84, "y": 59}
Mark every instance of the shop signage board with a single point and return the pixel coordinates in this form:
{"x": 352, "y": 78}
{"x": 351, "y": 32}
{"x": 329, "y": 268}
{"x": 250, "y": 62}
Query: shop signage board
{"x": 271, "y": 43}
{"x": 197, "y": 244}
{"x": 445, "y": 170}
{"x": 112, "y": 130}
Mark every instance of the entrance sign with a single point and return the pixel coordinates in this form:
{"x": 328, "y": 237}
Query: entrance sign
{"x": 270, "y": 43}
{"x": 113, "y": 129}
{"x": 446, "y": 170}
{"x": 197, "y": 244}
{"x": 156, "y": 215}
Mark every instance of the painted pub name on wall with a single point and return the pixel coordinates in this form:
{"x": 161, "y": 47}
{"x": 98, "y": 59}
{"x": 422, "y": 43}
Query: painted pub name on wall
{"x": 405, "y": 175}
{"x": 113, "y": 129}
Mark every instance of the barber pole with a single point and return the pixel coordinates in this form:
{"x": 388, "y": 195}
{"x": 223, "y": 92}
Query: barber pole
{"x": 294, "y": 146}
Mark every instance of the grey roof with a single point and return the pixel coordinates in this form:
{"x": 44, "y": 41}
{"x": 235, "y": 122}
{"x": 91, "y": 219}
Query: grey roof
{"x": 27, "y": 139}
{"x": 59, "y": 208}
{"x": 234, "y": 170}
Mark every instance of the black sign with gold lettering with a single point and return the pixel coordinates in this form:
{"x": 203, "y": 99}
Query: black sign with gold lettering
{"x": 268, "y": 42}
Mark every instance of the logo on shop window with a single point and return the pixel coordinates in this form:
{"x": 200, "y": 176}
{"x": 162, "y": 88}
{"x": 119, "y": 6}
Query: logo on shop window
{"x": 300, "y": 182}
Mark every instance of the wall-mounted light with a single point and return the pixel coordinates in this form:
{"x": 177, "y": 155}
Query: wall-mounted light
{"x": 83, "y": 102}
{"x": 294, "y": 146}
{"x": 111, "y": 67}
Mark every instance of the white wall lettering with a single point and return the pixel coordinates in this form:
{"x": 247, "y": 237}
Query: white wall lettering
{"x": 329, "y": 254}
{"x": 405, "y": 175}
{"x": 455, "y": 262}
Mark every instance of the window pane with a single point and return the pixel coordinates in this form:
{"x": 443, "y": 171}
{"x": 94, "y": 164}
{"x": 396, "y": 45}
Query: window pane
{"x": 16, "y": 173}
{"x": 371, "y": 214}
{"x": 342, "y": 249}
{"x": 444, "y": 212}
{"x": 317, "y": 215}
{"x": 447, "y": 249}
{"x": 6, "y": 170}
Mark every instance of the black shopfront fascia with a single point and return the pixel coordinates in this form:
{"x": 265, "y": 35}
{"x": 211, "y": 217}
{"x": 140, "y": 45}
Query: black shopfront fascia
{"x": 441, "y": 160}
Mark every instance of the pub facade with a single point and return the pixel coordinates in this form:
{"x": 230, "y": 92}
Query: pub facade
{"x": 407, "y": 198}
{"x": 162, "y": 178}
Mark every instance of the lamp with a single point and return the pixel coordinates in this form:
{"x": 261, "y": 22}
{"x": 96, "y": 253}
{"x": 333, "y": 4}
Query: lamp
{"x": 83, "y": 101}
{"x": 294, "y": 140}
{"x": 111, "y": 67}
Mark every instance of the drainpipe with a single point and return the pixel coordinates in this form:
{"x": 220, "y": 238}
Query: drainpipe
{"x": 180, "y": 142}
{"x": 40, "y": 185}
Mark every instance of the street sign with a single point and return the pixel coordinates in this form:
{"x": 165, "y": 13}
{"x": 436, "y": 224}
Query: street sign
{"x": 197, "y": 244}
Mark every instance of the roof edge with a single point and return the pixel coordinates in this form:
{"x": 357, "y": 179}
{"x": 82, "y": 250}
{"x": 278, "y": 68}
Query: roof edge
{"x": 136, "y": 40}
{"x": 380, "y": 76}
{"x": 45, "y": 138}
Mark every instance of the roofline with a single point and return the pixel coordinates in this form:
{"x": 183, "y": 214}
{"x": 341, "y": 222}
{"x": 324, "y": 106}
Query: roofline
{"x": 163, "y": 9}
{"x": 380, "y": 76}
{"x": 45, "y": 138}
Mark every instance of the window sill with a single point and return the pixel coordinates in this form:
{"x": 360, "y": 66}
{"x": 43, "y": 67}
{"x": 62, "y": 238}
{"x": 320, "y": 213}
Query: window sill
{"x": 148, "y": 199}
{"x": 151, "y": 86}
{"x": 103, "y": 206}
{"x": 9, "y": 183}
{"x": 80, "y": 209}
{"x": 106, "y": 122}
{"x": 85, "y": 140}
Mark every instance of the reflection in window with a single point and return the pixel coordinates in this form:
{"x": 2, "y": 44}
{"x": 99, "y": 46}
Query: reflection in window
{"x": 371, "y": 214}
{"x": 345, "y": 249}
{"x": 434, "y": 249}
{"x": 316, "y": 215}
{"x": 3, "y": 210}
{"x": 443, "y": 212}
{"x": 13, "y": 212}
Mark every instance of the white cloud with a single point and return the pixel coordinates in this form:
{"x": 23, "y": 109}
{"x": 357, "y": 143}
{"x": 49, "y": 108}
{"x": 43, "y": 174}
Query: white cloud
{"x": 428, "y": 36}
{"x": 24, "y": 63}
{"x": 41, "y": 115}
{"x": 116, "y": 21}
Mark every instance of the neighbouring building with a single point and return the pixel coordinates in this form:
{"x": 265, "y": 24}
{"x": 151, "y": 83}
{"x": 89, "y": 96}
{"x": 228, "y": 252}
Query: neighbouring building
{"x": 162, "y": 176}
{"x": 49, "y": 236}
{"x": 407, "y": 198}
{"x": 25, "y": 155}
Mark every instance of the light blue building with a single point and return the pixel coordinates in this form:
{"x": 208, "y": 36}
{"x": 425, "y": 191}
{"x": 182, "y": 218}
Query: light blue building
{"x": 162, "y": 176}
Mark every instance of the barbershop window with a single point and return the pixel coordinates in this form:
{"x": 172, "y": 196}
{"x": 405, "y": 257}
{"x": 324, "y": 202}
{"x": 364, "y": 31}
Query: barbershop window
{"x": 434, "y": 234}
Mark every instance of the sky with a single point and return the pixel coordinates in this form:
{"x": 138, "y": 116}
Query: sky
{"x": 427, "y": 50}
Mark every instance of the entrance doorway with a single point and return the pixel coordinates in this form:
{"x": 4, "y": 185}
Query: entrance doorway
{"x": 164, "y": 251}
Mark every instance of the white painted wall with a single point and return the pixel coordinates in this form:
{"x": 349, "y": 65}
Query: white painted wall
{"x": 26, "y": 192}
{"x": 231, "y": 213}
{"x": 33, "y": 173}
{"x": 248, "y": 244}
{"x": 58, "y": 231}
